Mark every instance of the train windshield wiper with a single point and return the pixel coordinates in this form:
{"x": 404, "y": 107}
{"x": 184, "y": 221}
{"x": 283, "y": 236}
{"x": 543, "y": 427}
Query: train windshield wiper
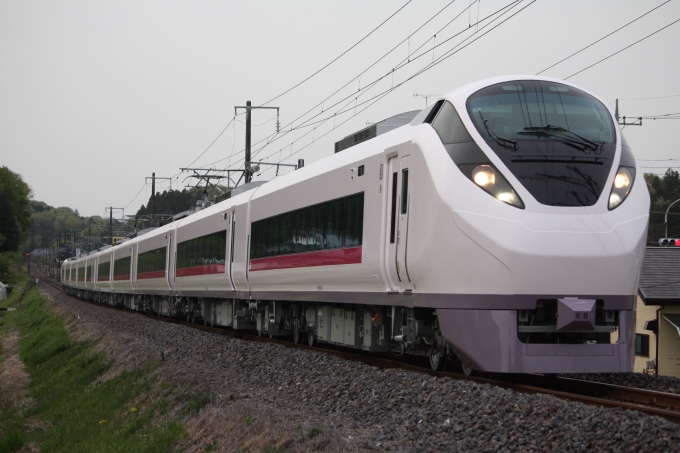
{"x": 557, "y": 131}
{"x": 501, "y": 140}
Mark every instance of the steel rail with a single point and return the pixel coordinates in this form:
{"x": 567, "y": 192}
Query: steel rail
{"x": 661, "y": 404}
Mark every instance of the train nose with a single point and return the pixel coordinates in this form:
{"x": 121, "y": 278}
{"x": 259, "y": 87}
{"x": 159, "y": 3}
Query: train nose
{"x": 549, "y": 254}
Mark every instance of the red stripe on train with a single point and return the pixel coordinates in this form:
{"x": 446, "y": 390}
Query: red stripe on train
{"x": 121, "y": 277}
{"x": 103, "y": 279}
{"x": 331, "y": 257}
{"x": 152, "y": 274}
{"x": 201, "y": 270}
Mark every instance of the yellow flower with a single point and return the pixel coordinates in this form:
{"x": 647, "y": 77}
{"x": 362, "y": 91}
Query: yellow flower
{"x": 133, "y": 409}
{"x": 101, "y": 422}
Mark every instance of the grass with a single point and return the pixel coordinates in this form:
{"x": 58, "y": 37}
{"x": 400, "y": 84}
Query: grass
{"x": 315, "y": 431}
{"x": 79, "y": 413}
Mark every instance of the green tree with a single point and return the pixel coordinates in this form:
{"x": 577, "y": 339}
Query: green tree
{"x": 663, "y": 191}
{"x": 15, "y": 210}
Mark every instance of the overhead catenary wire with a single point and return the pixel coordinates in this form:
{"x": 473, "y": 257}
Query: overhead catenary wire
{"x": 659, "y": 160}
{"x": 213, "y": 142}
{"x": 378, "y": 96}
{"x": 285, "y": 131}
{"x": 625, "y": 48}
{"x": 306, "y": 79}
{"x": 339, "y": 56}
{"x": 135, "y": 197}
{"x": 460, "y": 46}
{"x": 368, "y": 68}
{"x": 445, "y": 56}
{"x": 646, "y": 99}
{"x": 352, "y": 98}
{"x": 604, "y": 37}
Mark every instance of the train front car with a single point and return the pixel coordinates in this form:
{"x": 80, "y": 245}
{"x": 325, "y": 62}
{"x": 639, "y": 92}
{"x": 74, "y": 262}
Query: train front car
{"x": 541, "y": 237}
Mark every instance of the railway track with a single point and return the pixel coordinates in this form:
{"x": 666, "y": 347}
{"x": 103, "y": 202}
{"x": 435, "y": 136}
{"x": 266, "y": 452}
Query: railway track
{"x": 665, "y": 405}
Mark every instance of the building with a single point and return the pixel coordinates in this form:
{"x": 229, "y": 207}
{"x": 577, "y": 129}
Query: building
{"x": 657, "y": 332}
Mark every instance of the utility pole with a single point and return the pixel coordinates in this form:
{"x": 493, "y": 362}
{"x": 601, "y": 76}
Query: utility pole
{"x": 110, "y": 209}
{"x": 152, "y": 206}
{"x": 249, "y": 172}
{"x": 153, "y": 194}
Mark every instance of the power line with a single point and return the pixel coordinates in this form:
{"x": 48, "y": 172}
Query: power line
{"x": 379, "y": 96}
{"x": 658, "y": 160}
{"x": 320, "y": 104}
{"x": 274, "y": 136}
{"x": 645, "y": 99}
{"x": 339, "y": 56}
{"x": 140, "y": 191}
{"x": 627, "y": 47}
{"x": 604, "y": 37}
{"x": 213, "y": 142}
{"x": 445, "y": 56}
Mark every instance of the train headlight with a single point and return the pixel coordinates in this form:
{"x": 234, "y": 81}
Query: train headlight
{"x": 484, "y": 176}
{"x": 623, "y": 182}
{"x": 492, "y": 181}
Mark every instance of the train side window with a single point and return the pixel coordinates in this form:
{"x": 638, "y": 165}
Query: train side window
{"x": 286, "y": 233}
{"x": 272, "y": 236}
{"x": 394, "y": 207}
{"x": 221, "y": 247}
{"x": 404, "y": 190}
{"x": 354, "y": 220}
{"x": 334, "y": 223}
{"x": 300, "y": 230}
{"x": 316, "y": 223}
{"x": 256, "y": 240}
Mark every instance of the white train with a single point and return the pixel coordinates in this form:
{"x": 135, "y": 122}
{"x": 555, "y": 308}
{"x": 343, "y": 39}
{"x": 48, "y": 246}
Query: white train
{"x": 504, "y": 225}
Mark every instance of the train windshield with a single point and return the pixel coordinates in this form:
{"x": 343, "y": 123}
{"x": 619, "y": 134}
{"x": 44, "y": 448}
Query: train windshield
{"x": 538, "y": 110}
{"x": 558, "y": 141}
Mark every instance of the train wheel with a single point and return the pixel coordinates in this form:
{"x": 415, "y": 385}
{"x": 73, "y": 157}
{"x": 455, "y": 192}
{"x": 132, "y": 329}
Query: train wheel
{"x": 467, "y": 371}
{"x": 439, "y": 352}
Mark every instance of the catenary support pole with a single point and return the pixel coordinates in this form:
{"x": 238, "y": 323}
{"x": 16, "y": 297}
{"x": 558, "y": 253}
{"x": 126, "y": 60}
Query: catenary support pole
{"x": 249, "y": 174}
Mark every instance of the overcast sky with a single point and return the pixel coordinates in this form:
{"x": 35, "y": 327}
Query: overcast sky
{"x": 95, "y": 96}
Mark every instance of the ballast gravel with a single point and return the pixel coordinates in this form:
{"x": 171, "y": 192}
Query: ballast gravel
{"x": 383, "y": 409}
{"x": 645, "y": 381}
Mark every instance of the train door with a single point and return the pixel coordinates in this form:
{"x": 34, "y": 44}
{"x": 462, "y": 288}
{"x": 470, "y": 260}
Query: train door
{"x": 231, "y": 230}
{"x": 168, "y": 258}
{"x": 397, "y": 221}
{"x": 133, "y": 265}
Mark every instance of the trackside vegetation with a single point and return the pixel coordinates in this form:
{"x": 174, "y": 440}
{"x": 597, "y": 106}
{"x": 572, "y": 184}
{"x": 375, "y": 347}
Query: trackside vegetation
{"x": 72, "y": 409}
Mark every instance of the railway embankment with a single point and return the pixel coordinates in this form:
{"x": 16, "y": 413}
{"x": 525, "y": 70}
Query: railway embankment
{"x": 301, "y": 400}
{"x": 76, "y": 381}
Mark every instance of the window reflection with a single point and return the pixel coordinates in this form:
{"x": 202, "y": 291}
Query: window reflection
{"x": 334, "y": 224}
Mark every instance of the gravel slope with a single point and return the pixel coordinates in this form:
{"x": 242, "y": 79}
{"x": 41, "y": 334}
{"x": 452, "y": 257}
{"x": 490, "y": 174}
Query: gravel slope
{"x": 372, "y": 408}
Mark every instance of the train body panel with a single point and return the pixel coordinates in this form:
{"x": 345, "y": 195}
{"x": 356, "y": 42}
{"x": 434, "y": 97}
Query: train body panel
{"x": 471, "y": 230}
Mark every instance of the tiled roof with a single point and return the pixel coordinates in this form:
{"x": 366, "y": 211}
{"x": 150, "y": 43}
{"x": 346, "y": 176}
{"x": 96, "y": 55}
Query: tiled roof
{"x": 660, "y": 278}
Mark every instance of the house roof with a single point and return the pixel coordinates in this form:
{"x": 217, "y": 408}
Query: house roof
{"x": 660, "y": 278}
